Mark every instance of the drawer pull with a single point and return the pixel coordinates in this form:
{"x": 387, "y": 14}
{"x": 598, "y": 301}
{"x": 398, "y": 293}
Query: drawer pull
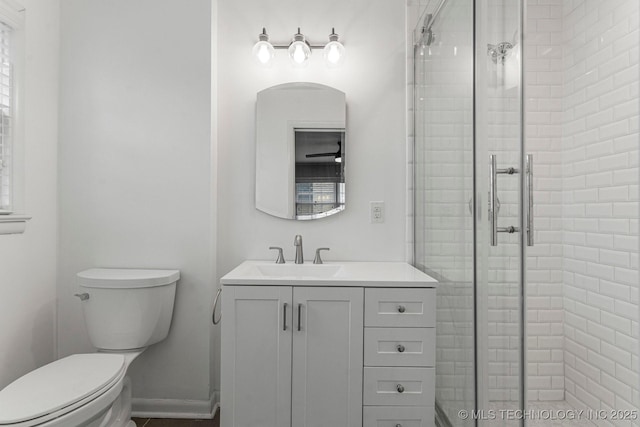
{"x": 400, "y": 388}
{"x": 400, "y": 348}
{"x": 398, "y": 425}
{"x": 401, "y": 309}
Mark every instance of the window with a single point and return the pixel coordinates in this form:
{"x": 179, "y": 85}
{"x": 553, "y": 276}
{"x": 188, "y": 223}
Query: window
{"x": 319, "y": 172}
{"x": 6, "y": 115}
{"x": 12, "y": 204}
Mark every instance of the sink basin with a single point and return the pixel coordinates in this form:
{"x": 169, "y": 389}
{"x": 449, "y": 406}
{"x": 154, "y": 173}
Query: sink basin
{"x": 320, "y": 271}
{"x": 343, "y": 273}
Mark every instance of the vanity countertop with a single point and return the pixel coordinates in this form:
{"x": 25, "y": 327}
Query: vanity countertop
{"x": 348, "y": 273}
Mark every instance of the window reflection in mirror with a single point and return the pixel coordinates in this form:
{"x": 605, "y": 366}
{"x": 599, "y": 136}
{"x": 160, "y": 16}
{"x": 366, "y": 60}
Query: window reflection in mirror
{"x": 319, "y": 172}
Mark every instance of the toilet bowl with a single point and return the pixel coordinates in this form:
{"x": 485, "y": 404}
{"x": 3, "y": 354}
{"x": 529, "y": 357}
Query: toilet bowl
{"x": 125, "y": 311}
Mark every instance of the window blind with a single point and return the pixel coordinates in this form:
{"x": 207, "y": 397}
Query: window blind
{"x": 6, "y": 105}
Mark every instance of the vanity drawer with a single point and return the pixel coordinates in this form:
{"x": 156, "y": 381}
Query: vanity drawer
{"x": 399, "y": 386}
{"x": 399, "y": 346}
{"x": 400, "y": 307}
{"x": 403, "y": 416}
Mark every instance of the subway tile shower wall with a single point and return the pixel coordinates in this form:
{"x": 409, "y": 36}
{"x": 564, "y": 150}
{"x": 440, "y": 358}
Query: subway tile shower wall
{"x": 600, "y": 202}
{"x": 543, "y": 138}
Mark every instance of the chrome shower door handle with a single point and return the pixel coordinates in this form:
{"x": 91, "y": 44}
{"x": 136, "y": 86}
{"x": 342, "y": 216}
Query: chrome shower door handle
{"x": 493, "y": 200}
{"x": 528, "y": 199}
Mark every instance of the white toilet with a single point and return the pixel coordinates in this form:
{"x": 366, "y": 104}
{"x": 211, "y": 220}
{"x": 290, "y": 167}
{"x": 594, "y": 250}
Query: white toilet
{"x": 125, "y": 311}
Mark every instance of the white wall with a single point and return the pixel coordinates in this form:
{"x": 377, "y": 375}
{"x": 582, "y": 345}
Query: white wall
{"x": 135, "y": 175}
{"x": 28, "y": 261}
{"x": 373, "y": 78}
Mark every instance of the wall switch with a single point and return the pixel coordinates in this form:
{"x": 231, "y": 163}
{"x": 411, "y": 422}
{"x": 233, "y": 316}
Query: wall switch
{"x": 376, "y": 212}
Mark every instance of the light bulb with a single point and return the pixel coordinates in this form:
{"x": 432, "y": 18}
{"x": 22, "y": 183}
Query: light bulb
{"x": 263, "y": 51}
{"x": 334, "y": 54}
{"x": 334, "y": 51}
{"x": 299, "y": 50}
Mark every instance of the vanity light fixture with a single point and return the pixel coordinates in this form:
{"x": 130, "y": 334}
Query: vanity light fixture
{"x": 299, "y": 49}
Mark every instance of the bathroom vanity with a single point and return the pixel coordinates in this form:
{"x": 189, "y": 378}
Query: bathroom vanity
{"x": 339, "y": 344}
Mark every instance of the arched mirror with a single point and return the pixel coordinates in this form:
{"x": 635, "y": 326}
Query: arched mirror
{"x": 300, "y": 151}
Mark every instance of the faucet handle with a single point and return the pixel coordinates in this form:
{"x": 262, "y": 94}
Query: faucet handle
{"x": 280, "y": 259}
{"x": 317, "y": 259}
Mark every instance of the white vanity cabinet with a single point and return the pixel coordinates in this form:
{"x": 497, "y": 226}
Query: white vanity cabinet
{"x": 399, "y": 357}
{"x": 334, "y": 345}
{"x": 292, "y": 356}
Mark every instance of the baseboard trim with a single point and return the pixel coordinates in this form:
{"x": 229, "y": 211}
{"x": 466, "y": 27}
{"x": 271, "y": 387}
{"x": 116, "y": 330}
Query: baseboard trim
{"x": 176, "y": 408}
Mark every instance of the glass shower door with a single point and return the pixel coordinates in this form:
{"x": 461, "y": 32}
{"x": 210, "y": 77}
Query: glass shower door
{"x": 500, "y": 175}
{"x": 468, "y": 195}
{"x": 443, "y": 161}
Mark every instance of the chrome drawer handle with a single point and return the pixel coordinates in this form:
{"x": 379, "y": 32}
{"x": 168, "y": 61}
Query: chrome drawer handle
{"x": 400, "y": 388}
{"x": 400, "y": 348}
{"x": 401, "y": 309}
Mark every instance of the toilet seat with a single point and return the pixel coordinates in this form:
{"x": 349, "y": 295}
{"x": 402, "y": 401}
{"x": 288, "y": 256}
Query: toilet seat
{"x": 60, "y": 387}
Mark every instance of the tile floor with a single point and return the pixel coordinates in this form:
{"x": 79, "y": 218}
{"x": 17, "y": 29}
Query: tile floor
{"x": 156, "y": 422}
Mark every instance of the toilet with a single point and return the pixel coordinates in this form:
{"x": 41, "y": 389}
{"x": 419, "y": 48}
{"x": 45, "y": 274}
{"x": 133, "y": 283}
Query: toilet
{"x": 125, "y": 311}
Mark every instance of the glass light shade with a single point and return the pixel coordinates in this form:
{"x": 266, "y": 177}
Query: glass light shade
{"x": 299, "y": 52}
{"x": 263, "y": 52}
{"x": 334, "y": 54}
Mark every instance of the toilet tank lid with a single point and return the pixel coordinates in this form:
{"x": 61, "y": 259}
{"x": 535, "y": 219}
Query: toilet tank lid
{"x": 126, "y": 278}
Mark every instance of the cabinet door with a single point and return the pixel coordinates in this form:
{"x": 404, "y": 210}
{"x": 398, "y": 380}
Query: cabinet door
{"x": 327, "y": 357}
{"x": 256, "y": 356}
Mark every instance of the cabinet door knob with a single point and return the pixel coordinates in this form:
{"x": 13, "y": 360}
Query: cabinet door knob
{"x": 401, "y": 309}
{"x": 400, "y": 388}
{"x": 400, "y": 348}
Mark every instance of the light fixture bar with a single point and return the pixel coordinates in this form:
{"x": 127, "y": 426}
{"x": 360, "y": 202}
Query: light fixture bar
{"x": 299, "y": 49}
{"x": 286, "y": 46}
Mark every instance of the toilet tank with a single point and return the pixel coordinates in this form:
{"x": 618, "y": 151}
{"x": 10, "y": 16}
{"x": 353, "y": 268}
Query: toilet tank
{"x": 127, "y": 309}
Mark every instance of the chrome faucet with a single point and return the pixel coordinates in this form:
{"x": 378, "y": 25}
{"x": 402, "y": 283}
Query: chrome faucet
{"x": 297, "y": 242}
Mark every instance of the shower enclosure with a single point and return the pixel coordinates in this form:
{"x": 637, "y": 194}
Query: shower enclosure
{"x": 525, "y": 117}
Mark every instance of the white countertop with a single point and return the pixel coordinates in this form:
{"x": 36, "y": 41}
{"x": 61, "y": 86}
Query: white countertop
{"x": 348, "y": 273}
